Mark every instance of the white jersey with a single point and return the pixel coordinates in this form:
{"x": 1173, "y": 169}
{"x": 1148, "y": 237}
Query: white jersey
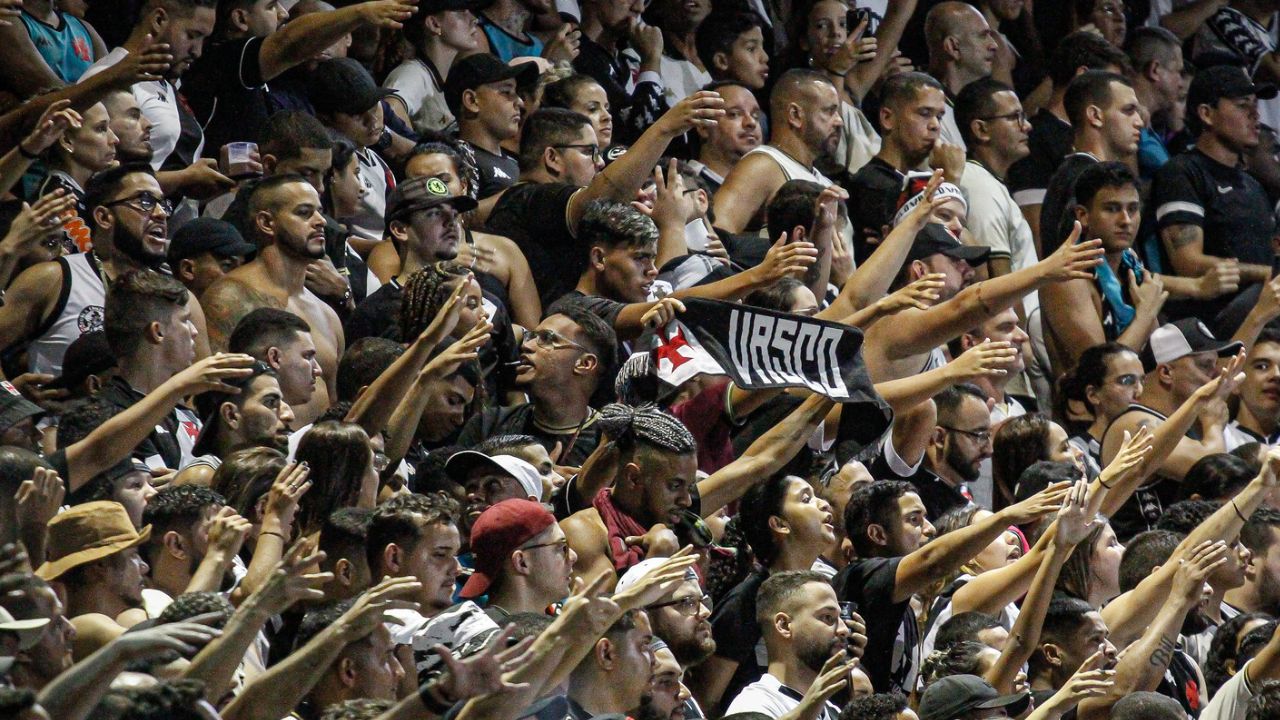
{"x": 791, "y": 168}
{"x": 79, "y": 310}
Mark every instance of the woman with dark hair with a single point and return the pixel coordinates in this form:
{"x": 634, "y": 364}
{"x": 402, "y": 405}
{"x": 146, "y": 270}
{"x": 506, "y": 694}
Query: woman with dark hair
{"x": 1022, "y": 441}
{"x": 342, "y": 186}
{"x": 1224, "y": 659}
{"x": 342, "y": 472}
{"x": 582, "y": 94}
{"x": 436, "y": 38}
{"x": 1092, "y": 572}
{"x": 1106, "y": 380}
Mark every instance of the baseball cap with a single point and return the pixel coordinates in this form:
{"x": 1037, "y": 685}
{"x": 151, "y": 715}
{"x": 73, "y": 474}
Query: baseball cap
{"x": 955, "y": 695}
{"x": 1224, "y": 81}
{"x": 935, "y": 239}
{"x": 499, "y": 531}
{"x": 473, "y": 71}
{"x": 87, "y": 355}
{"x": 28, "y": 631}
{"x": 1181, "y": 338}
{"x": 342, "y": 85}
{"x": 460, "y": 464}
{"x": 421, "y": 193}
{"x": 644, "y": 567}
{"x": 913, "y": 194}
{"x": 208, "y": 235}
{"x": 13, "y": 407}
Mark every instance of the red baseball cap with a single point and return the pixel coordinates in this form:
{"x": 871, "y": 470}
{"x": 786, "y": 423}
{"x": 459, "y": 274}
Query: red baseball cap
{"x": 497, "y": 533}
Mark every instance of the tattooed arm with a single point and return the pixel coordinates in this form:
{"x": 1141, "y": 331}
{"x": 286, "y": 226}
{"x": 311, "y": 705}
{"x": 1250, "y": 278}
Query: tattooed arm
{"x": 225, "y": 303}
{"x": 1185, "y": 246}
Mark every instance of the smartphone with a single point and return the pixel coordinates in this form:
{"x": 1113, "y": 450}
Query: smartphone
{"x": 847, "y": 610}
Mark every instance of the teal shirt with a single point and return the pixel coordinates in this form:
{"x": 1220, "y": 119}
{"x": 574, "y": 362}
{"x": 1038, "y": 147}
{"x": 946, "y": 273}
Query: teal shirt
{"x": 67, "y": 49}
{"x": 506, "y": 46}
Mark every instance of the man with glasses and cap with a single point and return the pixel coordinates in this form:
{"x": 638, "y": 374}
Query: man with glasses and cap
{"x": 51, "y": 304}
{"x": 522, "y": 560}
{"x": 680, "y": 629}
{"x": 425, "y": 222}
{"x": 481, "y": 93}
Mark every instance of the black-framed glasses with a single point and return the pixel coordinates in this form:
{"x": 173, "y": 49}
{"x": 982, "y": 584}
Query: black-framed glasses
{"x": 586, "y": 148}
{"x": 685, "y": 606}
{"x": 550, "y": 340}
{"x": 1020, "y": 116}
{"x": 144, "y": 201}
{"x": 562, "y": 545}
{"x": 982, "y": 436}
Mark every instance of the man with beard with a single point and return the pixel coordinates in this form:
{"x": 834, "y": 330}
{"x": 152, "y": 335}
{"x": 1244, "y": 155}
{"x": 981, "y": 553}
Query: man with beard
{"x": 614, "y": 677}
{"x": 425, "y": 222}
{"x": 735, "y": 134}
{"x": 1258, "y": 417}
{"x": 183, "y": 539}
{"x": 255, "y": 416}
{"x": 151, "y": 334}
{"x": 668, "y": 698}
{"x": 285, "y": 214}
{"x": 488, "y": 480}
{"x": 35, "y": 666}
{"x": 522, "y": 560}
{"x": 93, "y": 554}
{"x": 51, "y": 304}
{"x": 132, "y": 129}
{"x": 799, "y": 616}
{"x": 804, "y": 109}
{"x": 961, "y": 441}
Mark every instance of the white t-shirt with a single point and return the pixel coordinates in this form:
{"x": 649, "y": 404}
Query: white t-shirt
{"x": 417, "y": 86}
{"x": 377, "y": 179}
{"x": 159, "y": 102}
{"x": 768, "y": 695}
{"x": 949, "y": 133}
{"x": 1232, "y": 699}
{"x": 859, "y": 141}
{"x": 996, "y": 222}
{"x": 680, "y": 78}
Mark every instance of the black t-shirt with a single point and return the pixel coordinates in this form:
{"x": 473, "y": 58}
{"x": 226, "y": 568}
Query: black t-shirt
{"x": 893, "y": 639}
{"x": 497, "y": 172}
{"x": 874, "y": 191}
{"x": 535, "y": 217}
{"x": 227, "y": 93}
{"x": 937, "y": 494}
{"x": 737, "y": 634}
{"x": 377, "y": 315}
{"x": 1225, "y": 202}
{"x": 1055, "y": 213}
{"x": 602, "y": 307}
{"x": 1050, "y": 141}
{"x": 575, "y": 445}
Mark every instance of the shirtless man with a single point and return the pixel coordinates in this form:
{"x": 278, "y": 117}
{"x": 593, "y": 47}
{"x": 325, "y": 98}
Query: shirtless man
{"x": 51, "y": 304}
{"x": 285, "y": 213}
{"x": 805, "y": 108}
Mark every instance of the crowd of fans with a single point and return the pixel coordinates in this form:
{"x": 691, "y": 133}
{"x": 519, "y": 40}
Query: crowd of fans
{"x": 340, "y": 345}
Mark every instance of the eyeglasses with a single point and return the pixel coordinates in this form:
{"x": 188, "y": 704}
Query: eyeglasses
{"x": 689, "y": 606}
{"x": 550, "y": 340}
{"x": 982, "y": 436}
{"x": 592, "y": 150}
{"x": 562, "y": 545}
{"x": 1020, "y": 116}
{"x": 145, "y": 202}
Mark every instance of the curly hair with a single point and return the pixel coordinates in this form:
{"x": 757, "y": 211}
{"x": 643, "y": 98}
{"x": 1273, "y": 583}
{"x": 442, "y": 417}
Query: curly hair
{"x": 1225, "y": 647}
{"x": 425, "y": 292}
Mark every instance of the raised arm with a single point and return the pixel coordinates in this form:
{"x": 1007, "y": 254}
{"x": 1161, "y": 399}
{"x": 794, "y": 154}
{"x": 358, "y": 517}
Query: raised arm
{"x": 766, "y": 455}
{"x": 988, "y": 358}
{"x": 947, "y": 553}
{"x": 623, "y": 178}
{"x": 304, "y": 37}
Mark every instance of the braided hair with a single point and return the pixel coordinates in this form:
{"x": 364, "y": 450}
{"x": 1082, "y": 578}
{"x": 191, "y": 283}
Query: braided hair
{"x": 645, "y": 425}
{"x": 425, "y": 292}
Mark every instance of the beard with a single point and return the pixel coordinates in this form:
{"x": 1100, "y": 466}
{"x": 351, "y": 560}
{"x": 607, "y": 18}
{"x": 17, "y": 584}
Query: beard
{"x": 963, "y": 467}
{"x": 691, "y": 651}
{"x": 131, "y": 245}
{"x": 648, "y": 711}
{"x": 1195, "y": 623}
{"x": 298, "y": 247}
{"x": 816, "y": 654}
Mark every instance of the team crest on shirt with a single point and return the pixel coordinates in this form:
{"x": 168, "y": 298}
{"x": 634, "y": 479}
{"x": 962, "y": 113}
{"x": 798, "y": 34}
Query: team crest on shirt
{"x": 90, "y": 319}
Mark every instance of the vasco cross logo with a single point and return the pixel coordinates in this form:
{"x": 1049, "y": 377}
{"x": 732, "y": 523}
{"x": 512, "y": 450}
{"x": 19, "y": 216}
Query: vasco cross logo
{"x": 90, "y": 319}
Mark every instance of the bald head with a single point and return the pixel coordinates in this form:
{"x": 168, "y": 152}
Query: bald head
{"x": 958, "y": 35}
{"x": 797, "y": 85}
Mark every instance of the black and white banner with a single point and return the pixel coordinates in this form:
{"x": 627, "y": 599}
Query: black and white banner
{"x": 763, "y": 349}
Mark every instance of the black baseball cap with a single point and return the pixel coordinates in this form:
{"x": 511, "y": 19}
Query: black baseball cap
{"x": 342, "y": 85}
{"x": 14, "y": 408}
{"x": 473, "y": 71}
{"x": 935, "y": 239}
{"x": 421, "y": 193}
{"x": 208, "y": 235}
{"x": 1224, "y": 81}
{"x": 87, "y": 355}
{"x": 955, "y": 695}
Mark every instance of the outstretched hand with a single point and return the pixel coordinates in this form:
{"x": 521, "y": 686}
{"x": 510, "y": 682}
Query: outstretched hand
{"x": 483, "y": 673}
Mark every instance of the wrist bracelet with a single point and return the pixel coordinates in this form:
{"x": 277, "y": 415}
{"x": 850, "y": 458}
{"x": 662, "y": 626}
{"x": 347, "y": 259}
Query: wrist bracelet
{"x": 273, "y": 532}
{"x": 27, "y": 154}
{"x": 1238, "y": 513}
{"x": 1104, "y": 484}
{"x": 433, "y": 699}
